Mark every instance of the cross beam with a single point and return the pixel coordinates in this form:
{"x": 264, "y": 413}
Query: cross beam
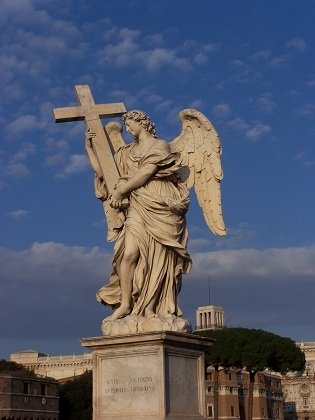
{"x": 92, "y": 113}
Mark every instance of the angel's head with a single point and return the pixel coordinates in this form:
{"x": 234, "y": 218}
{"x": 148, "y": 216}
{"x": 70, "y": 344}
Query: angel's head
{"x": 141, "y": 118}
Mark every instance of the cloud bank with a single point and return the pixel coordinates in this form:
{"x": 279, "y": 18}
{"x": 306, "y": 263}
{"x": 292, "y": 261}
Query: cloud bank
{"x": 55, "y": 285}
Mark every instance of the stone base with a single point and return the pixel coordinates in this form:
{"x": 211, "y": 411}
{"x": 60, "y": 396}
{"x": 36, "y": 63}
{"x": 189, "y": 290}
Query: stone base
{"x": 134, "y": 324}
{"x": 149, "y": 376}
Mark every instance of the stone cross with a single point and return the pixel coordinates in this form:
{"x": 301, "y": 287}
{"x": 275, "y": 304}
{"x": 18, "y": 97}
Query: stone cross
{"x": 92, "y": 113}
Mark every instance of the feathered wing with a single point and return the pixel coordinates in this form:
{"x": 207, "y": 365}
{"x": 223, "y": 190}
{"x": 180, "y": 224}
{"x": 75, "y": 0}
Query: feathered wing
{"x": 115, "y": 139}
{"x": 200, "y": 150}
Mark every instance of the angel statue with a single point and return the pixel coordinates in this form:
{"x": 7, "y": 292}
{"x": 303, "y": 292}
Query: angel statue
{"x": 148, "y": 207}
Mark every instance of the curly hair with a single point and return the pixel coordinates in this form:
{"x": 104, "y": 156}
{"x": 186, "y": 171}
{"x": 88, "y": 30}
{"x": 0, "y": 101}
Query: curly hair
{"x": 141, "y": 118}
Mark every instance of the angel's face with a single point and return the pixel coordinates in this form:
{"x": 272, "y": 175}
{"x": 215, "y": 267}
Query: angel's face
{"x": 133, "y": 127}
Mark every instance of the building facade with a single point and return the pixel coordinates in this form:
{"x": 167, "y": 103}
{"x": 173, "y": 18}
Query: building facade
{"x": 28, "y": 398}
{"x": 299, "y": 390}
{"x": 210, "y": 317}
{"x": 57, "y": 367}
{"x": 233, "y": 388}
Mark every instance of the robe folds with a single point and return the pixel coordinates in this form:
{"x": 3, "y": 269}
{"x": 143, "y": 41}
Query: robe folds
{"x": 156, "y": 218}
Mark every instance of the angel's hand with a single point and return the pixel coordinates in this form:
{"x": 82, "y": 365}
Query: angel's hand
{"x": 90, "y": 136}
{"x": 116, "y": 198}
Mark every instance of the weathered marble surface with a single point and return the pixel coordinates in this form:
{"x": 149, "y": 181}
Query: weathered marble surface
{"x": 133, "y": 324}
{"x": 150, "y": 376}
{"x": 144, "y": 189}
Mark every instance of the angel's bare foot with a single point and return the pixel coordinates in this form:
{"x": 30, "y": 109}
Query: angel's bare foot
{"x": 120, "y": 312}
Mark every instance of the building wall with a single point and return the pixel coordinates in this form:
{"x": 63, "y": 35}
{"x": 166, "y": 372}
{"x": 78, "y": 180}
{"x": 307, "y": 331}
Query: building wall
{"x": 57, "y": 367}
{"x": 228, "y": 394}
{"x": 267, "y": 396}
{"x": 299, "y": 391}
{"x": 210, "y": 317}
{"x": 28, "y": 398}
{"x": 233, "y": 395}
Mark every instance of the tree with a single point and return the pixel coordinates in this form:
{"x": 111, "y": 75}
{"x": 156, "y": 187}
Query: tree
{"x": 76, "y": 398}
{"x": 18, "y": 369}
{"x": 255, "y": 351}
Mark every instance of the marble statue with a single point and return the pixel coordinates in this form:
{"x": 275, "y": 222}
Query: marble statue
{"x": 145, "y": 211}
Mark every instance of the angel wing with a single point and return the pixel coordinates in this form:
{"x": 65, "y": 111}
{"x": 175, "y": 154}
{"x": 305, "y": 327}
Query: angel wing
{"x": 114, "y": 137}
{"x": 200, "y": 150}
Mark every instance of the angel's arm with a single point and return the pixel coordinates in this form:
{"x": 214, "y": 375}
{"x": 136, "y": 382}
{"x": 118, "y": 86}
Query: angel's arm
{"x": 91, "y": 155}
{"x": 139, "y": 179}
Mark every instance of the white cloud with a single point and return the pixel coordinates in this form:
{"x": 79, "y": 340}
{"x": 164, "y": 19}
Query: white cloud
{"x": 203, "y": 52}
{"x": 278, "y": 62}
{"x": 196, "y": 244}
{"x": 261, "y": 55}
{"x": 76, "y": 163}
{"x": 154, "y": 40}
{"x": 257, "y": 131}
{"x": 18, "y": 170}
{"x": 62, "y": 280}
{"x": 200, "y": 58}
{"x": 307, "y": 110}
{"x": 18, "y": 214}
{"x": 51, "y": 278}
{"x": 160, "y": 57}
{"x": 125, "y": 49}
{"x": 15, "y": 8}
{"x": 237, "y": 63}
{"x": 266, "y": 102}
{"x": 25, "y": 150}
{"x": 22, "y": 124}
{"x": 57, "y": 159}
{"x": 275, "y": 263}
{"x": 305, "y": 158}
{"x": 238, "y": 124}
{"x": 297, "y": 43}
{"x": 221, "y": 110}
{"x": 60, "y": 145}
{"x": 197, "y": 104}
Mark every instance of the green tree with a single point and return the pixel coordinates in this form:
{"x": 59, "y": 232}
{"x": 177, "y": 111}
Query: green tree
{"x": 19, "y": 370}
{"x": 253, "y": 350}
{"x": 76, "y": 398}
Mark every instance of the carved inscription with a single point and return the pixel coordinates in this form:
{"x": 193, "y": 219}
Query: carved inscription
{"x": 131, "y": 384}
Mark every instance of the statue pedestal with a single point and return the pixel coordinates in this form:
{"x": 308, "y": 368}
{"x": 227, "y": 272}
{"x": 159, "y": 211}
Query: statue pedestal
{"x": 149, "y": 376}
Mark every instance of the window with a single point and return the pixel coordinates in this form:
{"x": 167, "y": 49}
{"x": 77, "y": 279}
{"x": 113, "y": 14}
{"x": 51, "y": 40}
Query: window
{"x": 26, "y": 388}
{"x": 209, "y": 376}
{"x": 305, "y": 401}
{"x": 232, "y": 410}
{"x": 209, "y": 410}
{"x": 230, "y": 376}
{"x": 43, "y": 389}
{"x": 263, "y": 411}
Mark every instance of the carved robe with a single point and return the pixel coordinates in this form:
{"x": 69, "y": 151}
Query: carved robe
{"x": 156, "y": 218}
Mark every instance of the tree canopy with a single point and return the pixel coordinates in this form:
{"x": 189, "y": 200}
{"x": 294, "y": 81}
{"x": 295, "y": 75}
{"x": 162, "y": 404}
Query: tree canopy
{"x": 254, "y": 350}
{"x": 76, "y": 398}
{"x": 16, "y": 368}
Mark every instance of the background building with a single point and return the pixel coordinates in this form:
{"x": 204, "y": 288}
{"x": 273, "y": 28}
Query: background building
{"x": 210, "y": 317}
{"x": 28, "y": 398}
{"x": 299, "y": 390}
{"x": 57, "y": 367}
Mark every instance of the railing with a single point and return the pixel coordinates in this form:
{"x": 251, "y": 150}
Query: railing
{"x": 209, "y": 327}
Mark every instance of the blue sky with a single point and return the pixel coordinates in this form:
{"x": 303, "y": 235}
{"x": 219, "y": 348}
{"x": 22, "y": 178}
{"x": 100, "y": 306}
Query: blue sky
{"x": 248, "y": 65}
